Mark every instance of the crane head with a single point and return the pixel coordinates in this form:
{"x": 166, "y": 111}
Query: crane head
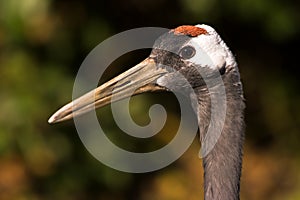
{"x": 191, "y": 51}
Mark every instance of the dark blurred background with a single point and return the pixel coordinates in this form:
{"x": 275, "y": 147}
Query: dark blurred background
{"x": 42, "y": 44}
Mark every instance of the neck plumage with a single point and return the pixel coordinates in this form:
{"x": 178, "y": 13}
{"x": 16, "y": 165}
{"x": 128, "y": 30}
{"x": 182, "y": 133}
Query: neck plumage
{"x": 222, "y": 165}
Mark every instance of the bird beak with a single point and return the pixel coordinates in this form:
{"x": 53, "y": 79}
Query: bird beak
{"x": 139, "y": 79}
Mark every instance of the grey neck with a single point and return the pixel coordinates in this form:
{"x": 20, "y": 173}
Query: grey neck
{"x": 222, "y": 165}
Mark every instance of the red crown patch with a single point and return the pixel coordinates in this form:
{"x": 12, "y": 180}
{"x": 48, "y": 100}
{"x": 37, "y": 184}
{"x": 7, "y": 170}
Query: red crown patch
{"x": 192, "y": 31}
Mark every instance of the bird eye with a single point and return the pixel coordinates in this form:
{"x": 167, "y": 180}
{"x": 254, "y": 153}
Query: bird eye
{"x": 187, "y": 52}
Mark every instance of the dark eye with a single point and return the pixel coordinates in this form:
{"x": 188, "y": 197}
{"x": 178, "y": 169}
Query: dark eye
{"x": 187, "y": 52}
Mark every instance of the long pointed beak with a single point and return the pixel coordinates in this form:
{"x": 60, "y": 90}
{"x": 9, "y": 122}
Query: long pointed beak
{"x": 139, "y": 79}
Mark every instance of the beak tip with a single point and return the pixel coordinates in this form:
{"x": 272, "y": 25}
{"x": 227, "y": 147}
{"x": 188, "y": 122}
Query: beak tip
{"x": 51, "y": 120}
{"x": 55, "y": 118}
{"x": 62, "y": 114}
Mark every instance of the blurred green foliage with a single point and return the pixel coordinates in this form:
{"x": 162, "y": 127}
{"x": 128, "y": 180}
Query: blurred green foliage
{"x": 42, "y": 44}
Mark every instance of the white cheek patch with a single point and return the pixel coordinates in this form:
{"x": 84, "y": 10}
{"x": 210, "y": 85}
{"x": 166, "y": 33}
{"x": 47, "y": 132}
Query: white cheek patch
{"x": 201, "y": 57}
{"x": 211, "y": 51}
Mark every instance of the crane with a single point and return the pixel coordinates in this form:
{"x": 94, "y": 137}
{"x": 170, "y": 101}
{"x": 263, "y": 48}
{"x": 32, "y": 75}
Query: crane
{"x": 185, "y": 49}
